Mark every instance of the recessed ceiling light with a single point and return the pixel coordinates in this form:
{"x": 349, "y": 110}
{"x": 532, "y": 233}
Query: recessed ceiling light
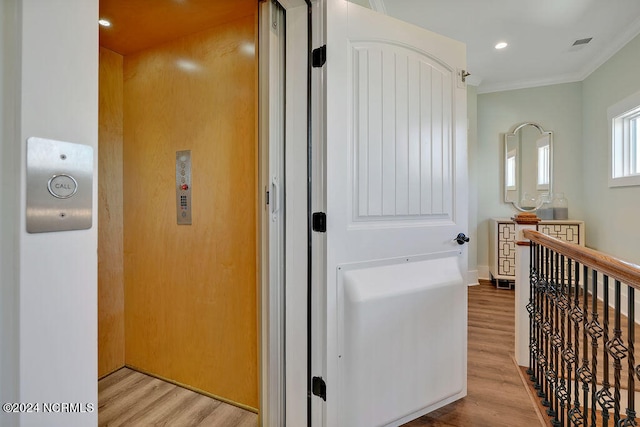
{"x": 501, "y": 45}
{"x": 104, "y": 22}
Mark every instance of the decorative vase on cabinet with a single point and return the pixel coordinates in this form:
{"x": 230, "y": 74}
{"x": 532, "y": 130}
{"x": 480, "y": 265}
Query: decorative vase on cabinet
{"x": 560, "y": 206}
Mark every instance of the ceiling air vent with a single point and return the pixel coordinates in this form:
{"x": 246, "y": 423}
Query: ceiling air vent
{"x": 582, "y": 41}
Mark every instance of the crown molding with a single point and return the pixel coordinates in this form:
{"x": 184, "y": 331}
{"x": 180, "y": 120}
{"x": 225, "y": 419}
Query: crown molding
{"x": 526, "y": 84}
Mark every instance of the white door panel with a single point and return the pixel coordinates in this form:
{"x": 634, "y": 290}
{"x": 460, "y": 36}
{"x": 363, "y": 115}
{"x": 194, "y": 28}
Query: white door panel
{"x": 392, "y": 315}
{"x": 401, "y": 140}
{"x": 394, "y": 307}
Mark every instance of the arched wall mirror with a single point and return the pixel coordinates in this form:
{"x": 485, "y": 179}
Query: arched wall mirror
{"x": 528, "y": 166}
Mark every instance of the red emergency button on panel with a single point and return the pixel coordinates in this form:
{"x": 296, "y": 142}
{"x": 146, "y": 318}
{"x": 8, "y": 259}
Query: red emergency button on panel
{"x": 184, "y": 186}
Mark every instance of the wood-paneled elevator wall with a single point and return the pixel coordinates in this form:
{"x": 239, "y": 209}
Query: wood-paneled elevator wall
{"x": 110, "y": 212}
{"x": 186, "y": 306}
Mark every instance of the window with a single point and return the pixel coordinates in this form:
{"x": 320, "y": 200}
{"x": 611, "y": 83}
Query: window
{"x": 543, "y": 164}
{"x": 633, "y": 137}
{"x": 624, "y": 120}
{"x": 511, "y": 170}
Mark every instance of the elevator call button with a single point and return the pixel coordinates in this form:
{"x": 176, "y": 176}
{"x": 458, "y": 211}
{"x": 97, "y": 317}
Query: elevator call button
{"x": 62, "y": 186}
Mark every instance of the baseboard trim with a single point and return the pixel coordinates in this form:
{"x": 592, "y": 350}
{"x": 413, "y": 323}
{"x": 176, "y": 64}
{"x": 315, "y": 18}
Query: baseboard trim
{"x": 483, "y": 272}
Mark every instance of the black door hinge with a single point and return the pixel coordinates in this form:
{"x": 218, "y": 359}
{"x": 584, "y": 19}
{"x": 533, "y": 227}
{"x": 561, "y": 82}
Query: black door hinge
{"x": 319, "y": 388}
{"x": 319, "y": 56}
{"x": 319, "y": 222}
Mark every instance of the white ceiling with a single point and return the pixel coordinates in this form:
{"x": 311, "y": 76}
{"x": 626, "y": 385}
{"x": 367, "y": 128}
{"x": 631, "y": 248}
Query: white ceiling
{"x": 540, "y": 34}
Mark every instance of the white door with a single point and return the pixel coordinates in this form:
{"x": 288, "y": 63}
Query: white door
{"x": 393, "y": 307}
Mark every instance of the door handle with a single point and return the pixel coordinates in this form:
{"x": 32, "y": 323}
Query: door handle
{"x": 275, "y": 202}
{"x": 275, "y": 190}
{"x": 461, "y": 239}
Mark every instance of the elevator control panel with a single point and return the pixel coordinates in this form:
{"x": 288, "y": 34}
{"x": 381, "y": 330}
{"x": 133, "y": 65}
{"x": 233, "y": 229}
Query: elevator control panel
{"x": 183, "y": 187}
{"x": 59, "y": 185}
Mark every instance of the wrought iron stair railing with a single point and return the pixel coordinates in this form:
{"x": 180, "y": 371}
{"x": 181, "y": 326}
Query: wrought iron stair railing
{"x": 582, "y": 333}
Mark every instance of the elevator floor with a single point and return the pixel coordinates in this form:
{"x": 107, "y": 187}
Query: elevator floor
{"x": 130, "y": 398}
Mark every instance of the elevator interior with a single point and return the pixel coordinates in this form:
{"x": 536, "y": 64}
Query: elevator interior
{"x": 179, "y": 301}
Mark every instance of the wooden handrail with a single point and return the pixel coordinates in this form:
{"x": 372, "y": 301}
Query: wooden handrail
{"x": 626, "y": 272}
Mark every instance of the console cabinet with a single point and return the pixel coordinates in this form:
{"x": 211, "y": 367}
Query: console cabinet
{"x": 502, "y": 244}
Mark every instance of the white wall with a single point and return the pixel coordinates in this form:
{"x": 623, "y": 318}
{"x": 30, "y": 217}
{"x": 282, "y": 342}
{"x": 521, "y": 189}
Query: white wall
{"x": 557, "y": 108}
{"x": 472, "y": 155}
{"x": 611, "y": 214}
{"x": 56, "y": 280}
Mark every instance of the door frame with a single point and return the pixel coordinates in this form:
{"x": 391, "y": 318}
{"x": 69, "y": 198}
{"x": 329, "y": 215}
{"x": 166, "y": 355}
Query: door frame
{"x": 270, "y": 292}
{"x": 283, "y": 305}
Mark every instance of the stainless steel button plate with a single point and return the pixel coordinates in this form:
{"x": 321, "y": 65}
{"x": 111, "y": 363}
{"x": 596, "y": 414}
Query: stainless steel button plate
{"x": 59, "y": 185}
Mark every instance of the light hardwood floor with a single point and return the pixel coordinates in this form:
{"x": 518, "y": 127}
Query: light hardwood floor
{"x": 496, "y": 395}
{"x": 130, "y": 398}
